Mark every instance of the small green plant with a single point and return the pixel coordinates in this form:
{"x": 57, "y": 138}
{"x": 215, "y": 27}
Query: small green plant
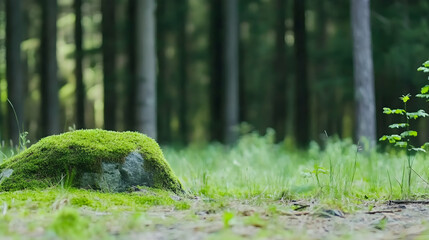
{"x": 316, "y": 172}
{"x": 227, "y": 216}
{"x": 22, "y": 141}
{"x": 403, "y": 139}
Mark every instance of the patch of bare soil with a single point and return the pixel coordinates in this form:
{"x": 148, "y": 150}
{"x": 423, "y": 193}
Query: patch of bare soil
{"x": 291, "y": 220}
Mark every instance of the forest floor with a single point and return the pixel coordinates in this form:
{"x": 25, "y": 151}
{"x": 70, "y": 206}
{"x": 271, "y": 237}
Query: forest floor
{"x": 81, "y": 214}
{"x": 247, "y": 220}
{"x": 254, "y": 190}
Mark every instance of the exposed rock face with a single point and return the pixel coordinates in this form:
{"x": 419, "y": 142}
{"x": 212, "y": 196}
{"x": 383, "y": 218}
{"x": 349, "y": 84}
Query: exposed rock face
{"x": 93, "y": 159}
{"x": 5, "y": 174}
{"x": 118, "y": 177}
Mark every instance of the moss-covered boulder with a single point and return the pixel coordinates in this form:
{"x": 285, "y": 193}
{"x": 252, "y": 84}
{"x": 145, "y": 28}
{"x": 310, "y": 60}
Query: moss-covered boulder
{"x": 96, "y": 159}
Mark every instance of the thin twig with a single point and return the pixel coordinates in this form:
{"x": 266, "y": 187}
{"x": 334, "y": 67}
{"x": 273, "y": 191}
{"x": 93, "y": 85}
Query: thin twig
{"x": 408, "y": 202}
{"x": 420, "y": 176}
{"x": 383, "y": 211}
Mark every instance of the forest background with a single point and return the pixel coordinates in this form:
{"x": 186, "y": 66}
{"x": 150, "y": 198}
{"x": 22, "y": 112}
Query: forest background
{"x": 77, "y": 64}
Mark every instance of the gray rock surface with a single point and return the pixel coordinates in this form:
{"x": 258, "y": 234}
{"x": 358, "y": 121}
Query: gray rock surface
{"x": 116, "y": 177}
{"x": 5, "y": 174}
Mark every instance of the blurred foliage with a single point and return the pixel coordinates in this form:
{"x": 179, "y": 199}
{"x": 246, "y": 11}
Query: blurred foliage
{"x": 400, "y": 33}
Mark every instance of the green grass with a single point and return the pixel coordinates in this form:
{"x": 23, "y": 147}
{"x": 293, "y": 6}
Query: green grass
{"x": 257, "y": 168}
{"x": 254, "y": 174}
{"x": 74, "y": 214}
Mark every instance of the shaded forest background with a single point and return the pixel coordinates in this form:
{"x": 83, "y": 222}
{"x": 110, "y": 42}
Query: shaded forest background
{"x": 273, "y": 61}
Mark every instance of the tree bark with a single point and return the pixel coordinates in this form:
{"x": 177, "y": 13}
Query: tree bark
{"x": 15, "y": 81}
{"x": 80, "y": 87}
{"x": 49, "y": 78}
{"x": 183, "y": 70}
{"x": 279, "y": 88}
{"x": 231, "y": 71}
{"x": 217, "y": 82}
{"x": 109, "y": 62}
{"x": 318, "y": 99}
{"x": 163, "y": 95}
{"x": 146, "y": 68}
{"x": 131, "y": 79}
{"x": 363, "y": 71}
{"x": 302, "y": 109}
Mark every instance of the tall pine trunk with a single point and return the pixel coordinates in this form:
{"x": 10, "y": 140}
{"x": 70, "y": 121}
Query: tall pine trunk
{"x": 319, "y": 119}
{"x": 163, "y": 96}
{"x": 15, "y": 81}
{"x": 80, "y": 87}
{"x": 145, "y": 60}
{"x": 183, "y": 71}
{"x": 49, "y": 78}
{"x": 109, "y": 62}
{"x": 217, "y": 81}
{"x": 363, "y": 71}
{"x": 129, "y": 111}
{"x": 279, "y": 88}
{"x": 302, "y": 109}
{"x": 231, "y": 71}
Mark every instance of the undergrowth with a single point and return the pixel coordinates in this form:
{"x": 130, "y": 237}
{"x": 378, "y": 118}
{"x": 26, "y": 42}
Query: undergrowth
{"x": 258, "y": 168}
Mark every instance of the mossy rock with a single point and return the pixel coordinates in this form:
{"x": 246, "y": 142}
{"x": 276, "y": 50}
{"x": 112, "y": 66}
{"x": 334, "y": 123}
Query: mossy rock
{"x": 87, "y": 159}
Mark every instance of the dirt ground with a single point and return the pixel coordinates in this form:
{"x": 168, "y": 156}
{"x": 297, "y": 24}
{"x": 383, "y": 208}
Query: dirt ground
{"x": 286, "y": 220}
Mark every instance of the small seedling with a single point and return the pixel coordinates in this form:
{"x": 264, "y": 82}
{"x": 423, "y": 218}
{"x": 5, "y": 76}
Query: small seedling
{"x": 227, "y": 216}
{"x": 403, "y": 139}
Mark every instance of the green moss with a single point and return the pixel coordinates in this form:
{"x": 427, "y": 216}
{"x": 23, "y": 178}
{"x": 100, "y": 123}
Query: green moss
{"x": 66, "y": 156}
{"x": 68, "y": 224}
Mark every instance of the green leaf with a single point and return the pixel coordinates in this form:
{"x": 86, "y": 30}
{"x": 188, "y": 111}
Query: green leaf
{"x": 387, "y": 110}
{"x": 227, "y": 216}
{"x": 401, "y": 144}
{"x": 426, "y": 145}
{"x": 391, "y": 138}
{"x": 410, "y": 133}
{"x": 415, "y": 115}
{"x": 405, "y": 98}
{"x": 394, "y": 138}
{"x": 426, "y": 64}
{"x": 393, "y": 111}
{"x": 421, "y": 69}
{"x": 423, "y": 95}
{"x": 399, "y": 125}
{"x": 399, "y": 111}
{"x": 384, "y": 138}
{"x": 425, "y": 89}
{"x": 418, "y": 150}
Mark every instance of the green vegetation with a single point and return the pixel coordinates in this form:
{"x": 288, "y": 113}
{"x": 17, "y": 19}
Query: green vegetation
{"x": 74, "y": 214}
{"x": 63, "y": 157}
{"x": 403, "y": 140}
{"x": 258, "y": 168}
{"x": 253, "y": 184}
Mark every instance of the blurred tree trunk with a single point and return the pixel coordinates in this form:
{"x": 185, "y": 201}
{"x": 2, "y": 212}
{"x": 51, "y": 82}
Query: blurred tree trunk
{"x": 280, "y": 85}
{"x": 217, "y": 82}
{"x": 183, "y": 69}
{"x": 163, "y": 96}
{"x": 319, "y": 119}
{"x": 80, "y": 87}
{"x": 302, "y": 109}
{"x": 231, "y": 71}
{"x": 130, "y": 106}
{"x": 363, "y": 71}
{"x": 14, "y": 70}
{"x": 109, "y": 62}
{"x": 49, "y": 78}
{"x": 145, "y": 60}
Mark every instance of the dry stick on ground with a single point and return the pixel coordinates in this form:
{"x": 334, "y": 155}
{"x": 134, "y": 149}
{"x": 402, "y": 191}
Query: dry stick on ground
{"x": 383, "y": 211}
{"x": 407, "y": 202}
